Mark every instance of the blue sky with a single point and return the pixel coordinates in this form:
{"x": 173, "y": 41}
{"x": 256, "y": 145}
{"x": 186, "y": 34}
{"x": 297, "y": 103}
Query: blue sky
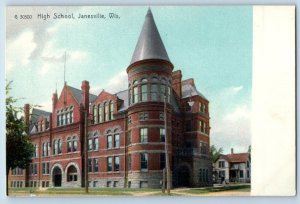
{"x": 211, "y": 44}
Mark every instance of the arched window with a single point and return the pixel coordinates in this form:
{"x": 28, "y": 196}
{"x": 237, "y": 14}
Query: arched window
{"x": 144, "y": 90}
{"x": 106, "y": 107}
{"x": 69, "y": 145}
{"x": 95, "y": 114}
{"x": 117, "y": 139}
{"x": 96, "y": 141}
{"x": 48, "y": 148}
{"x": 99, "y": 113}
{"x": 59, "y": 146}
{"x": 111, "y": 109}
{"x": 154, "y": 92}
{"x": 135, "y": 95}
{"x": 72, "y": 174}
{"x": 74, "y": 144}
{"x": 45, "y": 149}
{"x": 109, "y": 139}
{"x": 54, "y": 152}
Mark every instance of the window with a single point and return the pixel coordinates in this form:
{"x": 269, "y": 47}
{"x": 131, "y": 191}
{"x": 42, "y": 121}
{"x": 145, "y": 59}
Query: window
{"x": 45, "y": 168}
{"x": 99, "y": 113}
{"x": 109, "y": 142}
{"x": 96, "y": 143}
{"x": 162, "y": 160}
{"x": 162, "y": 134}
{"x": 90, "y": 165}
{"x": 106, "y": 107}
{"x": 129, "y": 162}
{"x": 154, "y": 92}
{"x": 116, "y": 183}
{"x": 117, "y": 140}
{"x": 117, "y": 164}
{"x": 129, "y": 137}
{"x": 68, "y": 118}
{"x": 203, "y": 148}
{"x": 144, "y": 135}
{"x": 129, "y": 119}
{"x": 241, "y": 174}
{"x": 162, "y": 92}
{"x": 144, "y": 92}
{"x": 59, "y": 146}
{"x": 135, "y": 95}
{"x": 90, "y": 144}
{"x": 144, "y": 116}
{"x": 33, "y": 169}
{"x": 200, "y": 126}
{"x": 204, "y": 128}
{"x": 95, "y": 114}
{"x": 71, "y": 116}
{"x": 108, "y": 184}
{"x": 248, "y": 174}
{"x": 109, "y": 163}
{"x": 45, "y": 149}
{"x": 95, "y": 184}
{"x": 111, "y": 109}
{"x": 130, "y": 96}
{"x": 248, "y": 164}
{"x": 96, "y": 163}
{"x": 74, "y": 144}
{"x": 55, "y": 146}
{"x": 72, "y": 174}
{"x": 221, "y": 164}
{"x": 161, "y": 116}
{"x": 168, "y": 94}
{"x": 69, "y": 145}
{"x": 35, "y": 153}
{"x": 48, "y": 148}
{"x": 144, "y": 161}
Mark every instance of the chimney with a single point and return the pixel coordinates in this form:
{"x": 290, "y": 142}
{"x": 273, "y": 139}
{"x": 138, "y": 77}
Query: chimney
{"x": 54, "y": 101}
{"x": 232, "y": 151}
{"x": 26, "y": 116}
{"x": 85, "y": 88}
{"x": 176, "y": 82}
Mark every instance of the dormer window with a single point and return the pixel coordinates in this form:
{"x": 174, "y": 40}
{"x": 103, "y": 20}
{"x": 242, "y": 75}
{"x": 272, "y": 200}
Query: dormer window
{"x": 64, "y": 116}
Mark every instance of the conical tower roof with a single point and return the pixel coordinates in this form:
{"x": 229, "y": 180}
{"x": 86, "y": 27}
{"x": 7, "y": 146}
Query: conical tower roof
{"x": 149, "y": 45}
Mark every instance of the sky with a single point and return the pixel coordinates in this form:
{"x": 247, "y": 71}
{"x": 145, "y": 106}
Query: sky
{"x": 211, "y": 44}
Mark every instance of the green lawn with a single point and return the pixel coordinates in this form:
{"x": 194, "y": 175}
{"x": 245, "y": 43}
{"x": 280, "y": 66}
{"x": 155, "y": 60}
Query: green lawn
{"x": 123, "y": 191}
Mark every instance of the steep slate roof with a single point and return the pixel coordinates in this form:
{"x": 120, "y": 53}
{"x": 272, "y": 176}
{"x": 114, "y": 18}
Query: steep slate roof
{"x": 236, "y": 158}
{"x": 188, "y": 90}
{"x": 35, "y": 114}
{"x": 123, "y": 95}
{"x": 149, "y": 45}
{"x": 77, "y": 94}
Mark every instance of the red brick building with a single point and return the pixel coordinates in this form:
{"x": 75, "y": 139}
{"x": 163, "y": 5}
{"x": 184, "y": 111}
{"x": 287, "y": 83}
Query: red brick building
{"x": 126, "y": 132}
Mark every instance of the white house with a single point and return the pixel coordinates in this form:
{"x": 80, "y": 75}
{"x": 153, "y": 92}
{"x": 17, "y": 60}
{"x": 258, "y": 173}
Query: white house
{"x": 234, "y": 167}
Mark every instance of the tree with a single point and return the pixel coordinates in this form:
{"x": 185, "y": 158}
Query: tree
{"x": 19, "y": 150}
{"x": 215, "y": 153}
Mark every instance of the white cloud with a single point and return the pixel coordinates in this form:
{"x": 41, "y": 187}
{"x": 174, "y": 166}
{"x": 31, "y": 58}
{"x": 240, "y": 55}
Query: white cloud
{"x": 19, "y": 50}
{"x": 233, "y": 129}
{"x": 236, "y": 89}
{"x": 118, "y": 83}
{"x": 78, "y": 55}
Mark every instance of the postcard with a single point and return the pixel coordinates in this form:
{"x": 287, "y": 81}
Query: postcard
{"x": 150, "y": 100}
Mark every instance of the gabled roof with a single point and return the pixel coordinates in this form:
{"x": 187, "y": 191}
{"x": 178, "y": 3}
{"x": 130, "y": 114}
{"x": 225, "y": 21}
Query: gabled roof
{"x": 123, "y": 95}
{"x": 149, "y": 45}
{"x": 236, "y": 158}
{"x": 188, "y": 90}
{"x": 78, "y": 94}
{"x": 35, "y": 114}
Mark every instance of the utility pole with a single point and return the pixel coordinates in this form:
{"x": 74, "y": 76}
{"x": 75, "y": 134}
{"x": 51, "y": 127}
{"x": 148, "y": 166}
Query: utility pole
{"x": 168, "y": 177}
{"x": 86, "y": 173}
